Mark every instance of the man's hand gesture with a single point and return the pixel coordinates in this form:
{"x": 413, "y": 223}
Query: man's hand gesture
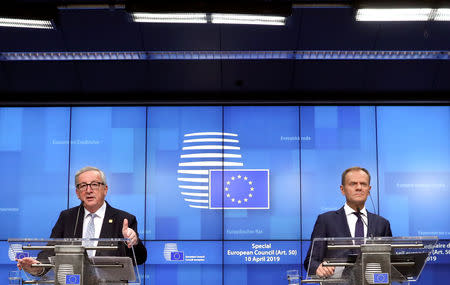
{"x": 129, "y": 233}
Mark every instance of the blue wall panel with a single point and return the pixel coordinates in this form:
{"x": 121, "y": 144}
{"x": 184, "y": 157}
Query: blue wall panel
{"x": 112, "y": 139}
{"x": 304, "y": 148}
{"x": 33, "y": 169}
{"x": 334, "y": 138}
{"x": 414, "y": 169}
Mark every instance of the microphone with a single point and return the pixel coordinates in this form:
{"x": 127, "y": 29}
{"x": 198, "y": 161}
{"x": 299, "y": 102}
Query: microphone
{"x": 373, "y": 205}
{"x": 76, "y": 223}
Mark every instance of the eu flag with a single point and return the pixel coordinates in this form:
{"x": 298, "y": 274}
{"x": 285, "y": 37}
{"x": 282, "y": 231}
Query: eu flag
{"x": 177, "y": 256}
{"x": 20, "y": 255}
{"x": 73, "y": 279}
{"x": 239, "y": 189}
{"x": 380, "y": 278}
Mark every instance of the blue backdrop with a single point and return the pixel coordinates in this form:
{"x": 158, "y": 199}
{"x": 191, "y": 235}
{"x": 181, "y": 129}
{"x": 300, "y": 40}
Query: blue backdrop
{"x": 286, "y": 160}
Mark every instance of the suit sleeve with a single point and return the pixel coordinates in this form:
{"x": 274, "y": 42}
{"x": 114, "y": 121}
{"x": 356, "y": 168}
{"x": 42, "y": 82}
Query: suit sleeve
{"x": 58, "y": 228}
{"x": 388, "y": 232}
{"x": 382, "y": 227}
{"x": 57, "y": 232}
{"x": 319, "y": 249}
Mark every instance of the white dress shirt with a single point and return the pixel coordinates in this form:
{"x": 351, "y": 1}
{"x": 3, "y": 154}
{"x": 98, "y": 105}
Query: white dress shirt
{"x": 352, "y": 219}
{"x": 98, "y": 222}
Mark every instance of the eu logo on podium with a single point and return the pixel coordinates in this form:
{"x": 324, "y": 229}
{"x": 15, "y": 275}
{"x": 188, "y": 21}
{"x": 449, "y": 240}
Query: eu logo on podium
{"x": 73, "y": 279}
{"x": 20, "y": 255}
{"x": 380, "y": 278}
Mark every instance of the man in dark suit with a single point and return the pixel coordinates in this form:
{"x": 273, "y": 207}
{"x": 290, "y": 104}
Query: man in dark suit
{"x": 352, "y": 220}
{"x": 93, "y": 218}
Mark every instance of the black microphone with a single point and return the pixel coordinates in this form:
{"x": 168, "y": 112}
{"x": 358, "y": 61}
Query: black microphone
{"x": 76, "y": 222}
{"x": 373, "y": 205}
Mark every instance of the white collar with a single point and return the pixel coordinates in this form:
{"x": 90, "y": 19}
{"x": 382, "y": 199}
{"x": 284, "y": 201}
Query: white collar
{"x": 99, "y": 213}
{"x": 349, "y": 211}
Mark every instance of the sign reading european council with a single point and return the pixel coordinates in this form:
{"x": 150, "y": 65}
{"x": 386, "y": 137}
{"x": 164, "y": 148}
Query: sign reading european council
{"x": 205, "y": 186}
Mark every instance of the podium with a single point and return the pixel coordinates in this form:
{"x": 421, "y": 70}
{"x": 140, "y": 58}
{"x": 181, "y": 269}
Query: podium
{"x": 367, "y": 261}
{"x": 70, "y": 261}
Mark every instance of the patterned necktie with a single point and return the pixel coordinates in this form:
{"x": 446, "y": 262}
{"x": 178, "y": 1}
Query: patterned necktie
{"x": 359, "y": 227}
{"x": 90, "y": 233}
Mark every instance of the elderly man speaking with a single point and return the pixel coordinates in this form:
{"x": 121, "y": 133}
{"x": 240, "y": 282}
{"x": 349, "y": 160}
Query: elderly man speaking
{"x": 93, "y": 218}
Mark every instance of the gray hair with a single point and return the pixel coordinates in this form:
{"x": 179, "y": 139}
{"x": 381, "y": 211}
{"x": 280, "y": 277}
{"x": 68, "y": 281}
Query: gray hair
{"x": 90, "y": 168}
{"x": 355, "y": 168}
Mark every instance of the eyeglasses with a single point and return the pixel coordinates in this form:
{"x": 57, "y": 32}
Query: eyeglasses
{"x": 94, "y": 186}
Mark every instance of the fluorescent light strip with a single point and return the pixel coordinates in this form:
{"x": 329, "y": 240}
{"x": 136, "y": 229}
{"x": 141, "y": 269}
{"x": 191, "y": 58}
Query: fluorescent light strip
{"x": 222, "y": 55}
{"x": 442, "y": 14}
{"x": 371, "y": 55}
{"x": 26, "y": 23}
{"x": 225, "y": 55}
{"x": 408, "y": 14}
{"x": 188, "y": 18}
{"x": 61, "y": 56}
{"x": 247, "y": 19}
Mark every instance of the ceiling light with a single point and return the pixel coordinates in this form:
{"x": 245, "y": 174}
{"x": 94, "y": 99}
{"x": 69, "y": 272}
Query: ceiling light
{"x": 402, "y": 10}
{"x": 25, "y": 23}
{"x": 29, "y": 15}
{"x": 442, "y": 14}
{"x": 226, "y": 55}
{"x": 169, "y": 17}
{"x": 256, "y": 12}
{"x": 407, "y": 14}
{"x": 247, "y": 19}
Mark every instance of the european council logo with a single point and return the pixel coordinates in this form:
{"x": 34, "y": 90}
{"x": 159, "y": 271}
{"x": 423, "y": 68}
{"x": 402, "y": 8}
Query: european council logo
{"x": 374, "y": 274}
{"x": 171, "y": 252}
{"x": 203, "y": 153}
{"x": 239, "y": 189}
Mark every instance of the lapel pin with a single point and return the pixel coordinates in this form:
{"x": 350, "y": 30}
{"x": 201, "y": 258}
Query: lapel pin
{"x": 110, "y": 221}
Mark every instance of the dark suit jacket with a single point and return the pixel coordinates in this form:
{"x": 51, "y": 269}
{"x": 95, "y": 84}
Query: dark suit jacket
{"x": 65, "y": 228}
{"x": 334, "y": 224}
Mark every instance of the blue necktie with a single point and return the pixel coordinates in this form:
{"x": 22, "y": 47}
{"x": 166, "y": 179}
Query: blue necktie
{"x": 359, "y": 227}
